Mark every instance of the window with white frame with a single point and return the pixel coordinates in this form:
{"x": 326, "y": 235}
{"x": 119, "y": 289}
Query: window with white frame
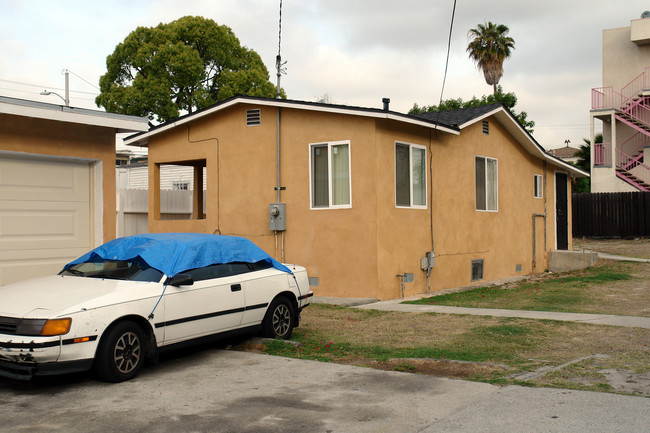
{"x": 410, "y": 175}
{"x": 539, "y": 188}
{"x": 487, "y": 194}
{"x": 330, "y": 175}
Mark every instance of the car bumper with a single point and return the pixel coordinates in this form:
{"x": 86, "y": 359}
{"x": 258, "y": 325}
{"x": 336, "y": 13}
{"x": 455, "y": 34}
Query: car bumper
{"x": 23, "y": 357}
{"x": 27, "y": 370}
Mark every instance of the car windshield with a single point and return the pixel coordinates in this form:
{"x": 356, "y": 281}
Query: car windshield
{"x": 132, "y": 270}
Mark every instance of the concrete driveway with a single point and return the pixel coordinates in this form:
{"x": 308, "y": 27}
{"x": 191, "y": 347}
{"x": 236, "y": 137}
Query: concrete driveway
{"x": 212, "y": 390}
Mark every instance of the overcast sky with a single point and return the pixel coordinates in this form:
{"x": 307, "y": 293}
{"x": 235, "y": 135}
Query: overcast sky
{"x": 354, "y": 51}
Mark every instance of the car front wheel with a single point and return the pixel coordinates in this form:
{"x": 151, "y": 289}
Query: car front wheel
{"x": 279, "y": 319}
{"x": 121, "y": 353}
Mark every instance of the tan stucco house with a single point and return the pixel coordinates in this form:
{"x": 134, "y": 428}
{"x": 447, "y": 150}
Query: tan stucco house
{"x": 373, "y": 202}
{"x": 57, "y": 184}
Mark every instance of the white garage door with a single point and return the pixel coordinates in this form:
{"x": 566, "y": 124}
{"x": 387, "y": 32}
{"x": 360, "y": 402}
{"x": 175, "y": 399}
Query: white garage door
{"x": 45, "y": 217}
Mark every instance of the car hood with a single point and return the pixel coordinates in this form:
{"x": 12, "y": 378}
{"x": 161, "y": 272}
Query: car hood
{"x": 48, "y": 296}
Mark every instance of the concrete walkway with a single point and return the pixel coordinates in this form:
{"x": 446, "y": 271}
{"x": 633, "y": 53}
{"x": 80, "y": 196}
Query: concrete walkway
{"x": 396, "y": 305}
{"x": 622, "y": 258}
{"x": 596, "y": 319}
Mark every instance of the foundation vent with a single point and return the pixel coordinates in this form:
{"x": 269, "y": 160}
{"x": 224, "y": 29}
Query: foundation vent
{"x": 477, "y": 270}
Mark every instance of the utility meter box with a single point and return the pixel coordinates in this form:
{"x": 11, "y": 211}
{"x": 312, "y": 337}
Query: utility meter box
{"x": 428, "y": 261}
{"x": 277, "y": 216}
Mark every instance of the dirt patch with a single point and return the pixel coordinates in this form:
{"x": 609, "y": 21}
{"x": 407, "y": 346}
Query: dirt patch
{"x": 441, "y": 367}
{"x": 628, "y": 381}
{"x": 639, "y": 248}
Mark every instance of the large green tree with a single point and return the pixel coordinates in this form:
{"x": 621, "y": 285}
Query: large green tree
{"x": 489, "y": 45}
{"x": 508, "y": 99}
{"x": 181, "y": 66}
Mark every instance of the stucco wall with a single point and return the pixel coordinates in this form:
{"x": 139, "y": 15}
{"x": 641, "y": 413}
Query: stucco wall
{"x": 337, "y": 245}
{"x": 46, "y": 137}
{"x": 503, "y": 239}
{"x": 358, "y": 251}
{"x": 623, "y": 60}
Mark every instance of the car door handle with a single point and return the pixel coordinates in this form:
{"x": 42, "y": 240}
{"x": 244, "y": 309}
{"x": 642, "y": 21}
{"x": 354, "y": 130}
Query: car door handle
{"x": 235, "y": 288}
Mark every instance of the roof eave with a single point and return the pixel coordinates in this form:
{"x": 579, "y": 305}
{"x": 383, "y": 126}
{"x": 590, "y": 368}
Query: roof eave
{"x": 513, "y": 126}
{"x": 60, "y": 113}
{"x": 142, "y": 139}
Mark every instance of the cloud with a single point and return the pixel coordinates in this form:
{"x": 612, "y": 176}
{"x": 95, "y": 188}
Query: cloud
{"x": 355, "y": 51}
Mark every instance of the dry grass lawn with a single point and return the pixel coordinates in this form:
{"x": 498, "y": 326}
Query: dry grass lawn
{"x": 639, "y": 248}
{"x": 498, "y": 350}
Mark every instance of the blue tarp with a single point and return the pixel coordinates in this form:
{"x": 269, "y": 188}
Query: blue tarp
{"x": 173, "y": 253}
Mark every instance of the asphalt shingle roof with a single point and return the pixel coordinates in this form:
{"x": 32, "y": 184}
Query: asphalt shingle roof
{"x": 459, "y": 116}
{"x": 564, "y": 152}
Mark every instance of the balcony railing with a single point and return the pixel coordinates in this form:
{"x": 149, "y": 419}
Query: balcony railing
{"x": 605, "y": 97}
{"x": 602, "y": 154}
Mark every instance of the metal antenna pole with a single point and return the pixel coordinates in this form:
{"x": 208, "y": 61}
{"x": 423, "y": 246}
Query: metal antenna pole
{"x": 279, "y": 65}
{"x": 67, "y": 87}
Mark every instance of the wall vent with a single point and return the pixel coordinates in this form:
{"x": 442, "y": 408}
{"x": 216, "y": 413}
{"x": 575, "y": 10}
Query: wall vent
{"x": 253, "y": 117}
{"x": 477, "y": 270}
{"x": 486, "y": 127}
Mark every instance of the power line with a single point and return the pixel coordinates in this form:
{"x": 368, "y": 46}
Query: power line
{"x": 444, "y": 77}
{"x": 84, "y": 80}
{"x": 41, "y": 86}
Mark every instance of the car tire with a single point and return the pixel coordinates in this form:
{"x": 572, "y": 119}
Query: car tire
{"x": 279, "y": 319}
{"x": 121, "y": 353}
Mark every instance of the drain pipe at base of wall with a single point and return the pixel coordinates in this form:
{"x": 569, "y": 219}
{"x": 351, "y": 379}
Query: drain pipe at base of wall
{"x": 535, "y": 215}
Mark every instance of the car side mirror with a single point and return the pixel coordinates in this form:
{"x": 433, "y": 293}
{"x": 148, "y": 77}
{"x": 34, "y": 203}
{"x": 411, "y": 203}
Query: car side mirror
{"x": 181, "y": 280}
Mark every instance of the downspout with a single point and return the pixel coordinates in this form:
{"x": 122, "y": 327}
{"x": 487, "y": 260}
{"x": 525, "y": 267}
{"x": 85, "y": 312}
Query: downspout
{"x": 428, "y": 287}
{"x": 543, "y": 215}
{"x": 545, "y": 210}
{"x": 278, "y": 188}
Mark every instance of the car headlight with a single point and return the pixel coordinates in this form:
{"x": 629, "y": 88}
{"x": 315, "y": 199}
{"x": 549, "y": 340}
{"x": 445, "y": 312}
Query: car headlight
{"x": 44, "y": 327}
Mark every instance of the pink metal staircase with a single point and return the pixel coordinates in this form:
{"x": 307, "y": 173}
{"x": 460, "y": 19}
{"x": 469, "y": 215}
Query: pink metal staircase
{"x": 633, "y": 109}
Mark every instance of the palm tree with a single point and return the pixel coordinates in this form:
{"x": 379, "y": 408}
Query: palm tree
{"x": 584, "y": 152}
{"x": 583, "y": 184}
{"x": 489, "y": 45}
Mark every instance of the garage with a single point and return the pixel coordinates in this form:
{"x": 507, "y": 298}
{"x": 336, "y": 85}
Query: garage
{"x": 57, "y": 184}
{"x": 45, "y": 215}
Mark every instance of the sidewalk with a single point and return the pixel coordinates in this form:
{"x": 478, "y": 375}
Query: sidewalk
{"x": 596, "y": 319}
{"x": 396, "y": 305}
{"x": 621, "y": 258}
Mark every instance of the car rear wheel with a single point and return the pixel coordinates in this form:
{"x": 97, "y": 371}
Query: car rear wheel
{"x": 279, "y": 319}
{"x": 121, "y": 353}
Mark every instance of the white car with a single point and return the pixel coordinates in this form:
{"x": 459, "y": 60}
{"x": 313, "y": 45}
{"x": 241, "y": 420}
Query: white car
{"x": 128, "y": 299}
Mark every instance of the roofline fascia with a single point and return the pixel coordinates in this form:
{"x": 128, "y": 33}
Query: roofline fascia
{"x": 80, "y": 116}
{"x": 523, "y": 134}
{"x": 142, "y": 139}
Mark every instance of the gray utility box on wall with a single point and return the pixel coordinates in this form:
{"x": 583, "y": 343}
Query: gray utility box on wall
{"x": 278, "y": 216}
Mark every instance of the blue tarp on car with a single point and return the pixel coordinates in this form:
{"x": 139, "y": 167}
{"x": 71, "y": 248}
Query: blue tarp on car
{"x": 173, "y": 253}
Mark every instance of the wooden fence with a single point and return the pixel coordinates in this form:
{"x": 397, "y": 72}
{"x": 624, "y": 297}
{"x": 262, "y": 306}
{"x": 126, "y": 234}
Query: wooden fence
{"x": 618, "y": 214}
